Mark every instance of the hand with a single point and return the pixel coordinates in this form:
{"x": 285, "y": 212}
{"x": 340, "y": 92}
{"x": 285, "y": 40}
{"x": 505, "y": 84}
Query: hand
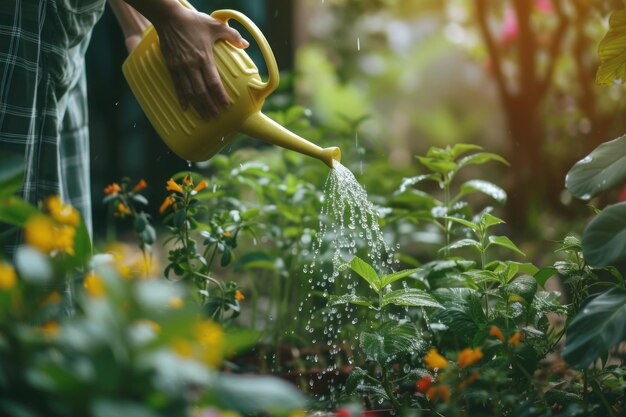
{"x": 187, "y": 37}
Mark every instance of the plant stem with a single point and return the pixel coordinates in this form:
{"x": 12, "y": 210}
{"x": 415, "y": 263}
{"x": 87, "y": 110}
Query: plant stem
{"x": 387, "y": 387}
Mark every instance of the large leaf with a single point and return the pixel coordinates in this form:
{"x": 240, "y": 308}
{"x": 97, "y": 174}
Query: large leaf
{"x": 11, "y": 173}
{"x": 604, "y": 239}
{"x": 598, "y": 327}
{"x": 485, "y": 187}
{"x": 402, "y": 338}
{"x": 15, "y": 211}
{"x": 410, "y": 297}
{"x": 602, "y": 169}
{"x": 612, "y": 50}
{"x": 258, "y": 394}
{"x": 366, "y": 272}
{"x": 391, "y": 278}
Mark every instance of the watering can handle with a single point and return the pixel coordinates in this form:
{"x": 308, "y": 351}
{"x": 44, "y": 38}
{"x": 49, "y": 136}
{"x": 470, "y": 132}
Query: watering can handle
{"x": 270, "y": 61}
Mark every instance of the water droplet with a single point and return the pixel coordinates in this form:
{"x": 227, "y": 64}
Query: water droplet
{"x": 586, "y": 160}
{"x": 358, "y": 44}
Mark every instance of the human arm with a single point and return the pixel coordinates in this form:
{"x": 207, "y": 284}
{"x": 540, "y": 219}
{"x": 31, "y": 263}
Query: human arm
{"x": 186, "y": 38}
{"x": 131, "y": 21}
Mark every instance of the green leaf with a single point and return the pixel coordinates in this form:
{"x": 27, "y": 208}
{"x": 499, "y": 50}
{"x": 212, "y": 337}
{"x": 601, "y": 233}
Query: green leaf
{"x": 598, "y": 327}
{"x": 410, "y": 297}
{"x": 481, "y": 158}
{"x": 524, "y": 286}
{"x": 544, "y": 274}
{"x": 612, "y": 50}
{"x": 355, "y": 378}
{"x": 349, "y": 298}
{"x": 385, "y": 280}
{"x": 258, "y": 394}
{"x": 402, "y": 338}
{"x": 464, "y": 222}
{"x": 16, "y": 211}
{"x": 488, "y": 220}
{"x": 485, "y": 187}
{"x": 505, "y": 242}
{"x": 365, "y": 271}
{"x": 82, "y": 246}
{"x": 372, "y": 345}
{"x": 116, "y": 408}
{"x": 11, "y": 173}
{"x": 604, "y": 239}
{"x": 409, "y": 182}
{"x": 601, "y": 170}
{"x": 461, "y": 148}
{"x": 437, "y": 165}
{"x": 461, "y": 244}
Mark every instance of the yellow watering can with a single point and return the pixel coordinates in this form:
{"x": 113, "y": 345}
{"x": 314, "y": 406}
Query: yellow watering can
{"x": 185, "y": 132}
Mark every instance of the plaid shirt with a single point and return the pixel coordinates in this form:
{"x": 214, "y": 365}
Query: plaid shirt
{"x": 43, "y": 110}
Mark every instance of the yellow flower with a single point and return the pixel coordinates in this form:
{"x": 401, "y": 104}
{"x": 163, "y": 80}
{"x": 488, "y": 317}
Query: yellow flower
{"x": 434, "y": 360}
{"x": 122, "y": 210}
{"x": 166, "y": 204}
{"x": 39, "y": 233}
{"x": 112, "y": 189}
{"x": 94, "y": 285}
{"x": 65, "y": 239}
{"x": 496, "y": 332}
{"x": 8, "y": 277}
{"x": 175, "y": 303}
{"x": 140, "y": 186}
{"x": 63, "y": 213}
{"x": 515, "y": 339}
{"x": 188, "y": 180}
{"x": 239, "y": 296}
{"x": 182, "y": 348}
{"x": 227, "y": 233}
{"x": 469, "y": 356}
{"x": 201, "y": 186}
{"x": 211, "y": 337}
{"x": 50, "y": 329}
{"x": 173, "y": 186}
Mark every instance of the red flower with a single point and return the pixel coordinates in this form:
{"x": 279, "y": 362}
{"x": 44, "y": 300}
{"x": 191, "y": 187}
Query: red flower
{"x": 424, "y": 383}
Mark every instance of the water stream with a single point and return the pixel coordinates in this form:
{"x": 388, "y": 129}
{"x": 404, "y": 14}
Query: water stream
{"x": 349, "y": 226}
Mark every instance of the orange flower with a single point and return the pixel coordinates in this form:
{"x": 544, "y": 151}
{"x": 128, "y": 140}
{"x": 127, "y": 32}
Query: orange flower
{"x": 434, "y": 360}
{"x": 8, "y": 277}
{"x": 239, "y": 296}
{"x": 112, "y": 189}
{"x": 469, "y": 356}
{"x": 50, "y": 329}
{"x": 515, "y": 339}
{"x": 166, "y": 204}
{"x": 52, "y": 298}
{"x": 173, "y": 186}
{"x": 497, "y": 333}
{"x": 122, "y": 209}
{"x": 470, "y": 380}
{"x": 201, "y": 186}
{"x": 441, "y": 391}
{"x": 188, "y": 180}
{"x": 140, "y": 186}
{"x": 424, "y": 383}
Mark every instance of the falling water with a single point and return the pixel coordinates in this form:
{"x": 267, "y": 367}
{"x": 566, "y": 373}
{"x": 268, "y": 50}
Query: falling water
{"x": 348, "y": 225}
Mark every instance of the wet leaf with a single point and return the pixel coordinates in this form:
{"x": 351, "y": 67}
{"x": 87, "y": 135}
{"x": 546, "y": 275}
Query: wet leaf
{"x": 410, "y": 297}
{"x": 485, "y": 187}
{"x": 365, "y": 271}
{"x": 598, "y": 327}
{"x": 505, "y": 242}
{"x": 604, "y": 239}
{"x": 601, "y": 170}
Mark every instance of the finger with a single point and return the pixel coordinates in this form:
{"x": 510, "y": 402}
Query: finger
{"x": 233, "y": 36}
{"x": 201, "y": 98}
{"x": 214, "y": 84}
{"x": 182, "y": 88}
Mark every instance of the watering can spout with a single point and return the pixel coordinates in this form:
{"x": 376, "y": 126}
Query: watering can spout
{"x": 261, "y": 127}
